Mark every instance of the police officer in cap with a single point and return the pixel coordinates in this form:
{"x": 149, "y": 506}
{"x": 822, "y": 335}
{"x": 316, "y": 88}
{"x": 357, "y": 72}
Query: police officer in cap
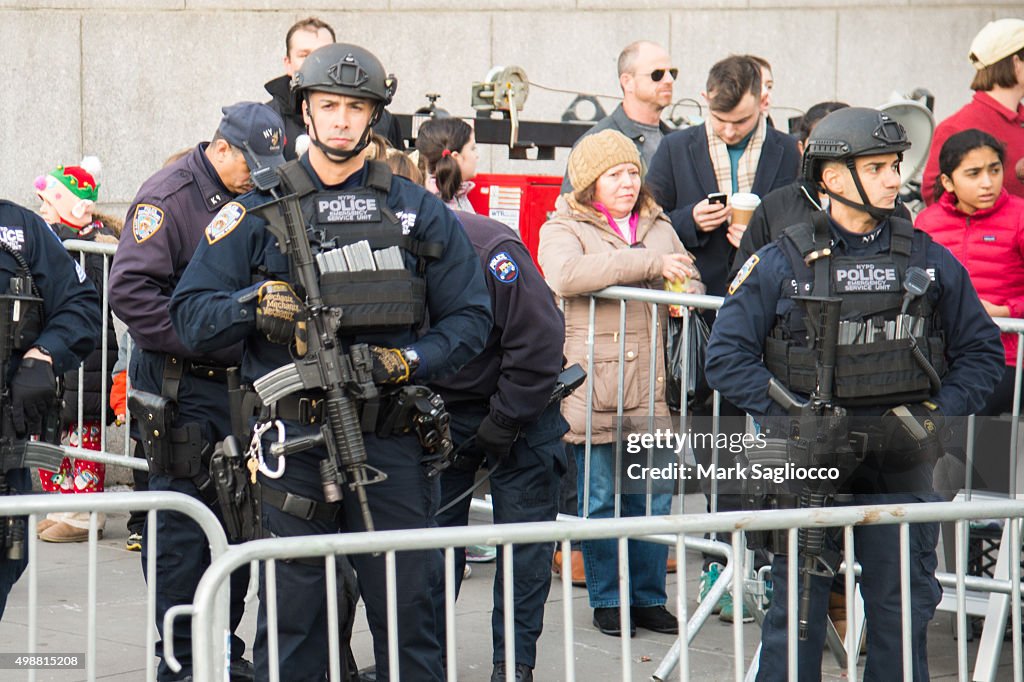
{"x": 51, "y": 329}
{"x": 238, "y": 288}
{"x": 877, "y": 265}
{"x": 501, "y": 410}
{"x": 164, "y": 225}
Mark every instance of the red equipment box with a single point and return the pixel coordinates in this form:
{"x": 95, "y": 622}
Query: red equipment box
{"x": 523, "y": 202}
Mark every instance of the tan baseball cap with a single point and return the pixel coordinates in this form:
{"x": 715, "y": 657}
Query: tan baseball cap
{"x": 998, "y": 40}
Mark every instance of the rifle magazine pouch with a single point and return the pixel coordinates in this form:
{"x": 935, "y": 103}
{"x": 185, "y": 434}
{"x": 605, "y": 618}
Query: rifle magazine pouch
{"x": 375, "y": 300}
{"x": 864, "y": 372}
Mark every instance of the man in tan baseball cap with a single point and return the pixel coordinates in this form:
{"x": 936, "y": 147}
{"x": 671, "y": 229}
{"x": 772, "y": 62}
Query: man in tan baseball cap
{"x": 997, "y": 41}
{"x": 997, "y": 52}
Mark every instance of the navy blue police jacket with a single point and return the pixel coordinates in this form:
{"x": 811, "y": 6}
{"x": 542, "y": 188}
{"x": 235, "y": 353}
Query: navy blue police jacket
{"x": 207, "y": 312}
{"x": 734, "y": 356}
{"x": 71, "y": 304}
{"x": 516, "y": 372}
{"x": 164, "y": 225}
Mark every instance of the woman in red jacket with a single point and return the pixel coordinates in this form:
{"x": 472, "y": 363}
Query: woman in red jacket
{"x": 983, "y": 225}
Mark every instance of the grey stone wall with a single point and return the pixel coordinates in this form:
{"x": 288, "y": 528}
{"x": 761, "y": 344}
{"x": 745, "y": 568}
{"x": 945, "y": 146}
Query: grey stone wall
{"x": 133, "y": 81}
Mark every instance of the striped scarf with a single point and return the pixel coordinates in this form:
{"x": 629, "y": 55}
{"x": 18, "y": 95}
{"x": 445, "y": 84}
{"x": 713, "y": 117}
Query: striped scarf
{"x": 746, "y": 168}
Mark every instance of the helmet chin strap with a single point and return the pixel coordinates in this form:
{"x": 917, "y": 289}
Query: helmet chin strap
{"x": 874, "y": 211}
{"x": 343, "y": 156}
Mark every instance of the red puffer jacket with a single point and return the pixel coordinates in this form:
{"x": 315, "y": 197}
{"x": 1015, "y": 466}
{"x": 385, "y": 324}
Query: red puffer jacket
{"x": 990, "y": 244}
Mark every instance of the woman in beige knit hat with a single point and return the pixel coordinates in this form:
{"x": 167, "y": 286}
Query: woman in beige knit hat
{"x": 608, "y": 231}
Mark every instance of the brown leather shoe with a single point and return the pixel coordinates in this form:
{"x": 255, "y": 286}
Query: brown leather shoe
{"x": 579, "y": 575}
{"x": 43, "y": 525}
{"x": 837, "y": 612}
{"x": 64, "y": 532}
{"x": 670, "y": 565}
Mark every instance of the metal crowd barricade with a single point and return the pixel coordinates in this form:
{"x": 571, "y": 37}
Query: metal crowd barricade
{"x": 207, "y": 611}
{"x": 95, "y": 503}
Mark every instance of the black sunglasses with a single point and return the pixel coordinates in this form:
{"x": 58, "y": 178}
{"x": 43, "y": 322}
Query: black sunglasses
{"x": 658, "y": 74}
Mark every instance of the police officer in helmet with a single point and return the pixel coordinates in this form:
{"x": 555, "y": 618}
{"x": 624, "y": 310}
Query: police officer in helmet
{"x": 49, "y": 323}
{"x": 238, "y": 287}
{"x": 898, "y": 289}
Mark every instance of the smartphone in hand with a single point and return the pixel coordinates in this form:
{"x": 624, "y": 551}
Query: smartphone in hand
{"x": 717, "y": 198}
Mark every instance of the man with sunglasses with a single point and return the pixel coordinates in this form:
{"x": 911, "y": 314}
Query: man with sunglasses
{"x": 734, "y": 151}
{"x": 646, "y": 76}
{"x": 164, "y": 226}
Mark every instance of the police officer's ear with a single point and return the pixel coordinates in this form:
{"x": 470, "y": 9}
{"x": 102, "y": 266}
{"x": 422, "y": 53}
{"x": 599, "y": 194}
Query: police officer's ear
{"x": 304, "y": 103}
{"x": 833, "y": 176}
{"x": 219, "y": 149}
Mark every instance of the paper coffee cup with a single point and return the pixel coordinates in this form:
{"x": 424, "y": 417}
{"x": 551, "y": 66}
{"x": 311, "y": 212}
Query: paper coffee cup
{"x": 743, "y": 205}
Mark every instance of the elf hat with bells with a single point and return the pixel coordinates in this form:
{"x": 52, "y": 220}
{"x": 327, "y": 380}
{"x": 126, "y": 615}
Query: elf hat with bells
{"x": 71, "y": 190}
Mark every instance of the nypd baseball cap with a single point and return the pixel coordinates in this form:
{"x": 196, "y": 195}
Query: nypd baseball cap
{"x": 998, "y": 40}
{"x": 257, "y": 130}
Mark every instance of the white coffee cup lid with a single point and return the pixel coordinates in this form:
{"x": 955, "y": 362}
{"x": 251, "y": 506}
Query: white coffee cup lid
{"x": 745, "y": 200}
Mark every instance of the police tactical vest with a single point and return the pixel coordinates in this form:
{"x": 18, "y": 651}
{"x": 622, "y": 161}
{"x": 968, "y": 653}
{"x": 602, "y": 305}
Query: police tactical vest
{"x": 875, "y": 362}
{"x": 371, "y": 300}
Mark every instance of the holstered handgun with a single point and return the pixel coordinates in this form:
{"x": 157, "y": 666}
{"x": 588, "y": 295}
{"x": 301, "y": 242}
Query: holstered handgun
{"x": 170, "y": 450}
{"x": 237, "y": 496}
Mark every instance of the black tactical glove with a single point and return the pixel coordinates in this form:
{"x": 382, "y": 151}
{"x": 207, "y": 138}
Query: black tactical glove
{"x": 495, "y": 437}
{"x": 911, "y": 433}
{"x": 389, "y": 366}
{"x": 277, "y": 310}
{"x": 33, "y": 394}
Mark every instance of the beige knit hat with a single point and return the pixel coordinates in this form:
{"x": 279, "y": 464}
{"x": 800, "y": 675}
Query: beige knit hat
{"x": 594, "y": 154}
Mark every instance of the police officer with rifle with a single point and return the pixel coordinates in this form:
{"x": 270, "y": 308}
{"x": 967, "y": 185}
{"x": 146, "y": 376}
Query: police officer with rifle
{"x": 852, "y": 341}
{"x": 49, "y": 323}
{"x": 346, "y": 285}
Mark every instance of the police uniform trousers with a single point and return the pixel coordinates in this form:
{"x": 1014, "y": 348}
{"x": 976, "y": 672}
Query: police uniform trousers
{"x": 183, "y": 552}
{"x": 20, "y": 481}
{"x": 406, "y": 499}
{"x": 524, "y": 488}
{"x": 877, "y": 549}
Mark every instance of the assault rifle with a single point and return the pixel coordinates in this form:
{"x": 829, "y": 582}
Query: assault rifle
{"x": 818, "y": 437}
{"x": 343, "y": 377}
{"x": 19, "y": 327}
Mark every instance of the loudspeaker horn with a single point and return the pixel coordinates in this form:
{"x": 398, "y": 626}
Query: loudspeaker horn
{"x": 919, "y": 123}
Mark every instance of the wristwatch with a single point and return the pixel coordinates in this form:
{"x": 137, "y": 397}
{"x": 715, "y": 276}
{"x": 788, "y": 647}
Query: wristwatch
{"x": 412, "y": 358}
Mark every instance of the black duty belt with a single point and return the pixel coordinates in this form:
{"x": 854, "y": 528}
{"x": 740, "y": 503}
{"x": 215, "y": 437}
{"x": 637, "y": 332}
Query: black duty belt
{"x": 304, "y": 407}
{"x": 301, "y": 507}
{"x": 218, "y": 373}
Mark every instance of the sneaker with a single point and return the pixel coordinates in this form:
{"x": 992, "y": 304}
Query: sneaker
{"x": 655, "y": 619}
{"x": 708, "y": 577}
{"x": 524, "y": 673}
{"x": 607, "y": 621}
{"x": 481, "y": 554}
{"x": 467, "y": 571}
{"x": 727, "y": 612}
{"x": 134, "y": 542}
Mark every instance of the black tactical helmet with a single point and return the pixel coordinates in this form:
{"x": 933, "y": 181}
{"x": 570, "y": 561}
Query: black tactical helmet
{"x": 344, "y": 69}
{"x": 349, "y": 70}
{"x": 848, "y": 133}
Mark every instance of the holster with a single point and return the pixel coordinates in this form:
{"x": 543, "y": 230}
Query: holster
{"x": 418, "y": 409}
{"x": 175, "y": 451}
{"x": 237, "y": 497}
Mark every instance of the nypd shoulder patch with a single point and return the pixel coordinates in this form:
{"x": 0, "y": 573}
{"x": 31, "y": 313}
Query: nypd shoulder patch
{"x": 225, "y": 221}
{"x": 503, "y": 267}
{"x": 744, "y": 272}
{"x": 147, "y": 220}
